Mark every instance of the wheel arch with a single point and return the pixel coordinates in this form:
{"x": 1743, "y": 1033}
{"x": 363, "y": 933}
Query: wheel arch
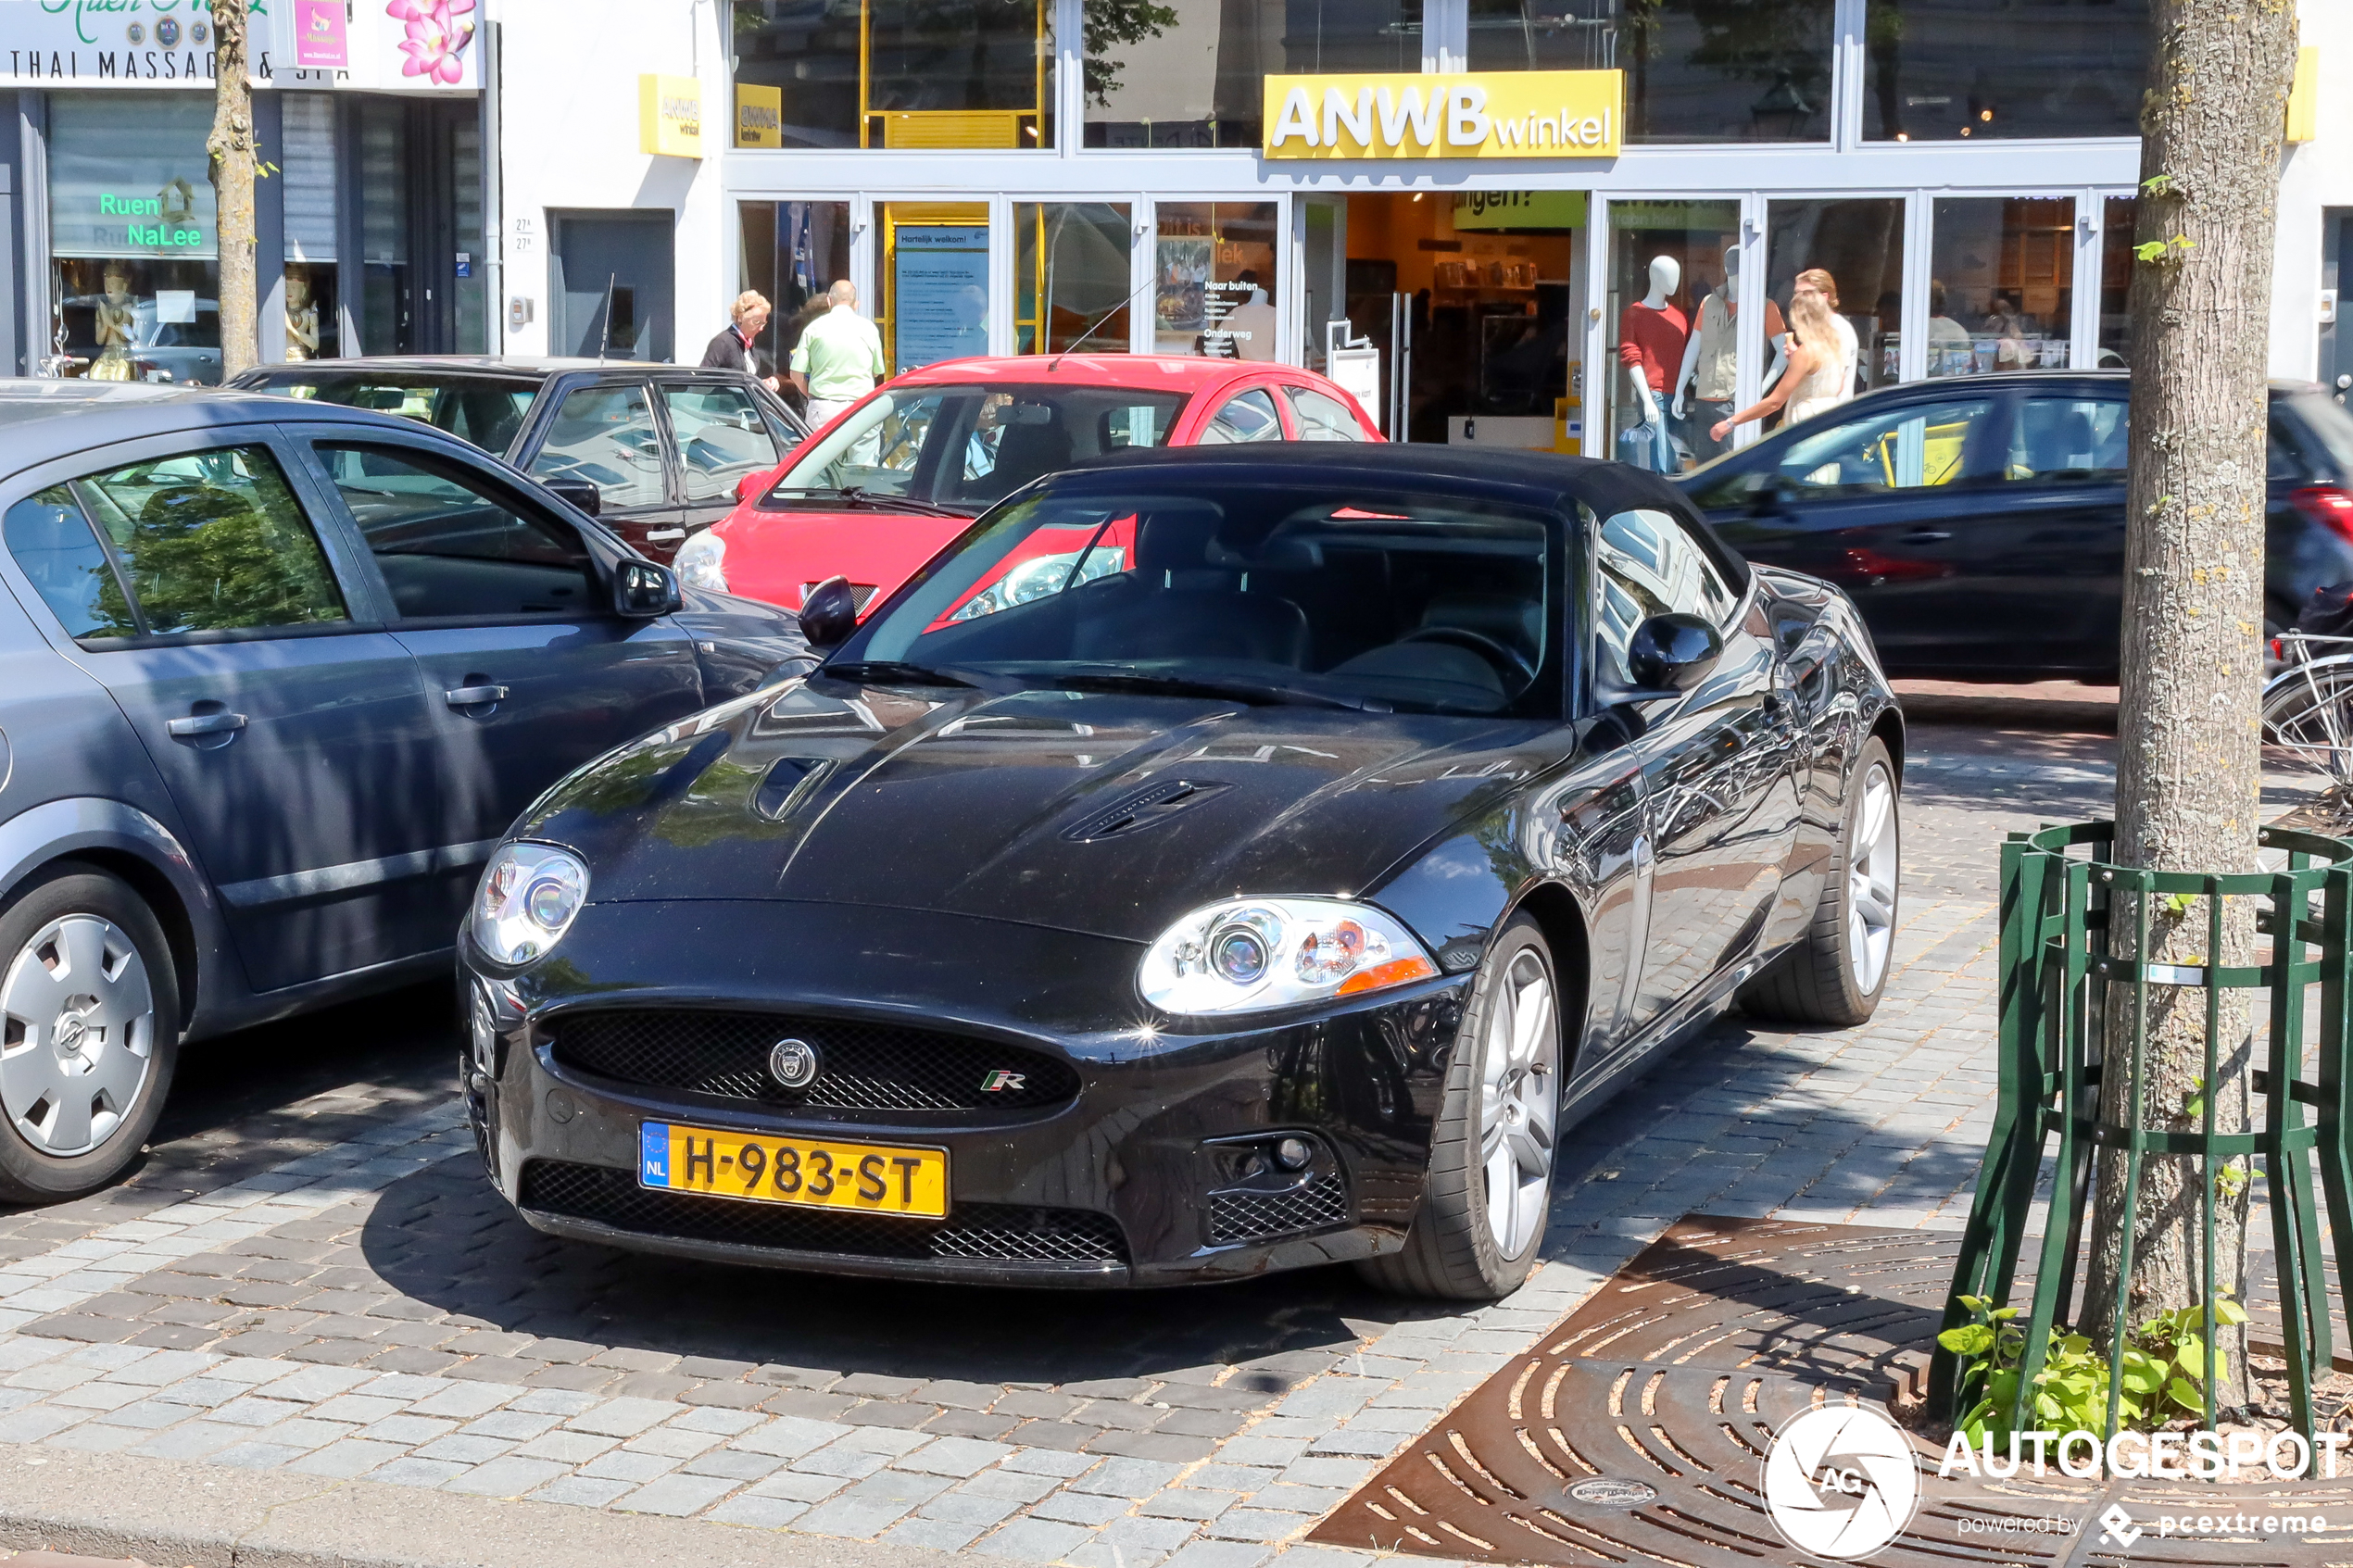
{"x": 1561, "y": 920}
{"x": 126, "y": 842}
{"x": 1888, "y": 729}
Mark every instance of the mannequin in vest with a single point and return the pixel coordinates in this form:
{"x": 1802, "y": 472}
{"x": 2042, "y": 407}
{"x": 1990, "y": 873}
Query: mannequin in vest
{"x": 1708, "y": 379}
{"x": 1651, "y": 337}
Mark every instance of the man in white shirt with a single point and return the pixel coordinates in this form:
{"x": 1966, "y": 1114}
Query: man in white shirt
{"x": 839, "y": 358}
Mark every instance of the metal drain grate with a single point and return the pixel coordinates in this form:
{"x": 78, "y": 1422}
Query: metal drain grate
{"x": 1248, "y": 1216}
{"x": 1635, "y": 1431}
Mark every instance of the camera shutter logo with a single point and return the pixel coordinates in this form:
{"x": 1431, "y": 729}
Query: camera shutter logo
{"x": 793, "y": 1064}
{"x": 1840, "y": 1482}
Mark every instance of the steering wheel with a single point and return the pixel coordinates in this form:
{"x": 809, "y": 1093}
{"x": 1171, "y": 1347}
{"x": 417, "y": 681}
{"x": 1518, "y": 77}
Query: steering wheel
{"x": 1507, "y": 659}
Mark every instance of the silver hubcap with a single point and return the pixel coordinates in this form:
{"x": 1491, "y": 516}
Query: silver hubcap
{"x": 1870, "y": 881}
{"x": 1517, "y": 1102}
{"x": 77, "y": 1035}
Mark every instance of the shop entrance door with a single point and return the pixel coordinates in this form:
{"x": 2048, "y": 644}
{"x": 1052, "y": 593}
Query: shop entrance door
{"x": 1471, "y": 300}
{"x": 423, "y": 280}
{"x": 610, "y": 280}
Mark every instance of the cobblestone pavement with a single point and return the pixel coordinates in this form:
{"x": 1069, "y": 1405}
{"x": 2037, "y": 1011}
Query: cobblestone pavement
{"x": 323, "y": 1283}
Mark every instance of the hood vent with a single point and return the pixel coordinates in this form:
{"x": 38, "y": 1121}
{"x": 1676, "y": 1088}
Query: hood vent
{"x": 1138, "y": 809}
{"x": 791, "y": 782}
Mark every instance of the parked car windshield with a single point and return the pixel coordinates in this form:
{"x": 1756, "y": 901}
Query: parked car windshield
{"x": 970, "y": 445}
{"x": 485, "y": 411}
{"x": 1327, "y": 593}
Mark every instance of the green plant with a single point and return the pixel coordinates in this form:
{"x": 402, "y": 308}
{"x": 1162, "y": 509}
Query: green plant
{"x": 2164, "y": 1373}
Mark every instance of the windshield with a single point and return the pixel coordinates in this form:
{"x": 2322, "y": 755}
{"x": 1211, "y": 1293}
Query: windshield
{"x": 1324, "y": 592}
{"x": 969, "y": 446}
{"x": 485, "y": 411}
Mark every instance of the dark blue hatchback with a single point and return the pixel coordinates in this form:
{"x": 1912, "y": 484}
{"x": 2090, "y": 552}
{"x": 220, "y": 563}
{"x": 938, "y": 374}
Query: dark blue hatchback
{"x": 273, "y": 682}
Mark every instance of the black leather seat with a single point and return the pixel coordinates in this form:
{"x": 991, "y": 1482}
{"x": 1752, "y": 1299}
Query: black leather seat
{"x": 1024, "y": 452}
{"x": 1178, "y": 605}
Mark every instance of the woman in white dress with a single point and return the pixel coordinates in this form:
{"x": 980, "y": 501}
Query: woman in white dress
{"x": 1811, "y": 384}
{"x": 1822, "y": 283}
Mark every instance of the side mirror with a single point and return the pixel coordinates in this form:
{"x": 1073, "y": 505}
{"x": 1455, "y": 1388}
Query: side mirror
{"x": 749, "y": 487}
{"x": 1672, "y": 653}
{"x": 577, "y": 493}
{"x": 829, "y": 613}
{"x": 642, "y": 590}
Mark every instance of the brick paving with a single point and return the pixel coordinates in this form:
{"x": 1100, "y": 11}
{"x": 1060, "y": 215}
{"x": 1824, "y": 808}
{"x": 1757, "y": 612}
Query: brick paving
{"x": 363, "y": 1306}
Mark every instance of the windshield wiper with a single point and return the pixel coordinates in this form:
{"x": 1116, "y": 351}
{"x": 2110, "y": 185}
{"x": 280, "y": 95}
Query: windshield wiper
{"x": 899, "y": 672}
{"x": 1266, "y": 693}
{"x": 854, "y": 496}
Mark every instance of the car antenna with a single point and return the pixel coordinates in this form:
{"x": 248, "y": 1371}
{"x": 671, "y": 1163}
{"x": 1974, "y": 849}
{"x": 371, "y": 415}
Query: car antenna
{"x": 604, "y": 339}
{"x": 1055, "y": 363}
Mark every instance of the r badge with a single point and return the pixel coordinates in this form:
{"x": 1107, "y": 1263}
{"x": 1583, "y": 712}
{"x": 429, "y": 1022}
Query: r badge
{"x": 793, "y": 1064}
{"x": 999, "y": 1081}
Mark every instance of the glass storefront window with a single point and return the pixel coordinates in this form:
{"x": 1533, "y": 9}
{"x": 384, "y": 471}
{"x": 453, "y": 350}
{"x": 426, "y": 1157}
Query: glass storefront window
{"x": 306, "y": 173}
{"x": 1860, "y": 245}
{"x": 2001, "y": 284}
{"x": 1944, "y": 69}
{"x": 1071, "y": 285}
{"x": 902, "y": 73}
{"x": 1696, "y": 70}
{"x": 935, "y": 282}
{"x": 1214, "y": 279}
{"x": 2116, "y": 282}
{"x": 1666, "y": 259}
{"x": 134, "y": 285}
{"x": 1189, "y": 76}
{"x": 793, "y": 253}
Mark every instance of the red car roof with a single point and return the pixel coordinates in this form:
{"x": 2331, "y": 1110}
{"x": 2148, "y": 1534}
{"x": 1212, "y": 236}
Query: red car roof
{"x": 1134, "y": 371}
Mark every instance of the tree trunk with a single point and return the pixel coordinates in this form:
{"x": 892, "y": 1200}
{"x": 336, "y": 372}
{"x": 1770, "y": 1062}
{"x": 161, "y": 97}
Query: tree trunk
{"x": 2189, "y": 743}
{"x": 231, "y": 145}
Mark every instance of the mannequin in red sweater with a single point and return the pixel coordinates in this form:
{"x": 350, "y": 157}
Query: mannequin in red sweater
{"x": 1651, "y": 335}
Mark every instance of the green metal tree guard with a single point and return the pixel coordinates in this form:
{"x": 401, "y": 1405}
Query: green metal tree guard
{"x": 2056, "y": 978}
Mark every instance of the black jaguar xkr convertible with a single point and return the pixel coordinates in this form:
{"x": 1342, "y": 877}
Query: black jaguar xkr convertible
{"x": 1214, "y": 861}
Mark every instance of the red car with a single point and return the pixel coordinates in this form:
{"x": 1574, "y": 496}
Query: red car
{"x": 876, "y": 493}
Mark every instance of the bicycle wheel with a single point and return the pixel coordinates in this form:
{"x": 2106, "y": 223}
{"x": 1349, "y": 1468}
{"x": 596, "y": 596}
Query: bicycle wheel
{"x": 2308, "y": 711}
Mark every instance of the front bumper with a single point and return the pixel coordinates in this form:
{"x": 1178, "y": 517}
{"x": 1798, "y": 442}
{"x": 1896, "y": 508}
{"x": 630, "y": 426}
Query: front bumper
{"x": 1155, "y": 1171}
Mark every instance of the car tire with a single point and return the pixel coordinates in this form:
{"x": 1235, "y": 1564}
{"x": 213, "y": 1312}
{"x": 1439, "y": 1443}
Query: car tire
{"x": 86, "y": 978}
{"x": 1837, "y": 969}
{"x": 1497, "y": 1119}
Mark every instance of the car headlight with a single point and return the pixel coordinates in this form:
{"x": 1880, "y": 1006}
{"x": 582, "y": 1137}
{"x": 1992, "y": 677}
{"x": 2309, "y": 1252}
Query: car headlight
{"x": 700, "y": 561}
{"x": 1246, "y": 955}
{"x": 529, "y": 895}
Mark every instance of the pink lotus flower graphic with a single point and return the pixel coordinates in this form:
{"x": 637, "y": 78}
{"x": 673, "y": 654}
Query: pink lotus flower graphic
{"x": 438, "y": 33}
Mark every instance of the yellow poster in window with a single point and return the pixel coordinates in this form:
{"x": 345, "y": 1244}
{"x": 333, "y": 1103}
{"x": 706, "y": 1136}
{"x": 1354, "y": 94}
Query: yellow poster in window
{"x": 1513, "y": 114}
{"x": 760, "y": 116}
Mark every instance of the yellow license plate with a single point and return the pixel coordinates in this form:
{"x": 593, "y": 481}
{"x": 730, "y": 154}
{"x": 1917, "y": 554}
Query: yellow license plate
{"x": 808, "y": 1172}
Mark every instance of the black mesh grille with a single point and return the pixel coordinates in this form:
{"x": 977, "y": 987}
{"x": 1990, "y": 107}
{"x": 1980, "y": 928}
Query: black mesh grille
{"x": 864, "y": 1067}
{"x": 995, "y": 1232}
{"x": 1246, "y": 1216}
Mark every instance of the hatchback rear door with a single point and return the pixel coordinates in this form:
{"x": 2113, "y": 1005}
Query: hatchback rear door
{"x": 239, "y": 632}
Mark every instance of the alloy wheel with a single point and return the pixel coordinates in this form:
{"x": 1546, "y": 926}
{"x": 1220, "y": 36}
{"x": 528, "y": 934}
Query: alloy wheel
{"x": 77, "y": 1034}
{"x": 1870, "y": 881}
{"x": 1518, "y": 1102}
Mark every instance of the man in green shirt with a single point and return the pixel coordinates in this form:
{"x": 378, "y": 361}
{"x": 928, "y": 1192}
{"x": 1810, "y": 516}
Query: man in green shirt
{"x": 839, "y": 358}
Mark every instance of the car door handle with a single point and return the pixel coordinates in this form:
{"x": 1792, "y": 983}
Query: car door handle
{"x": 654, "y": 533}
{"x": 474, "y": 697}
{"x": 1928, "y": 535}
{"x": 207, "y": 724}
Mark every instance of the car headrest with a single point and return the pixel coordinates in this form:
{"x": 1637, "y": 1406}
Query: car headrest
{"x": 1177, "y": 536}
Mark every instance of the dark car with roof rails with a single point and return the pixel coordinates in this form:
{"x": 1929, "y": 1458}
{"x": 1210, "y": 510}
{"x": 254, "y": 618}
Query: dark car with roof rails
{"x": 661, "y": 447}
{"x": 1978, "y": 522}
{"x": 1267, "y": 887}
{"x": 279, "y": 676}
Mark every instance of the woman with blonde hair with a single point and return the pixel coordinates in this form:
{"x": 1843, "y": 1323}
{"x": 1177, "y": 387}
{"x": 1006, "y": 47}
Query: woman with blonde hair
{"x": 1810, "y": 384}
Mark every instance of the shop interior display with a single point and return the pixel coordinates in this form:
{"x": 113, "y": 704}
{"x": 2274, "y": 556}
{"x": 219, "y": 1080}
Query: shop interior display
{"x": 1652, "y": 334}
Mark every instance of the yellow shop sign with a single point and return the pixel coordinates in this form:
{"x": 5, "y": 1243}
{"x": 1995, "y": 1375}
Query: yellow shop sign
{"x": 670, "y": 116}
{"x": 1501, "y": 114}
